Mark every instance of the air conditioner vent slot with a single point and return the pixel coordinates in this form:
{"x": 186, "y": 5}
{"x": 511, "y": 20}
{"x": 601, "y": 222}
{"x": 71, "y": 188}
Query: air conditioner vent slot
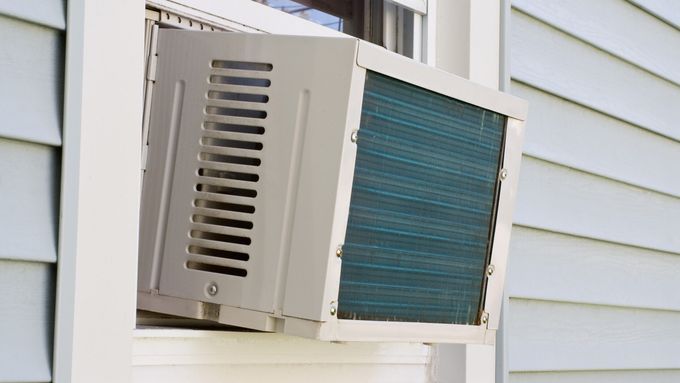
{"x": 245, "y": 97}
{"x": 230, "y": 154}
{"x": 221, "y": 127}
{"x": 235, "y": 271}
{"x": 212, "y": 141}
{"x": 236, "y": 112}
{"x": 234, "y": 80}
{"x": 228, "y": 64}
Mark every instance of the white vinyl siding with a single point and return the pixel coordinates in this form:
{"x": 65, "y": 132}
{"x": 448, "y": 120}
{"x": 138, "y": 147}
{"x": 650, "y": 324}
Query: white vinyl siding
{"x": 31, "y": 78}
{"x": 595, "y": 252}
{"x": 26, "y": 321}
{"x": 32, "y": 81}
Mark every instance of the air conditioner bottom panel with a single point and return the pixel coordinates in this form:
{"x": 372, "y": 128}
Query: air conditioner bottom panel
{"x": 335, "y": 330}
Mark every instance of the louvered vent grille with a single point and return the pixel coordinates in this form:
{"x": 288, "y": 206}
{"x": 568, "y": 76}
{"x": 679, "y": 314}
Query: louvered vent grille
{"x": 229, "y": 161}
{"x": 421, "y": 211}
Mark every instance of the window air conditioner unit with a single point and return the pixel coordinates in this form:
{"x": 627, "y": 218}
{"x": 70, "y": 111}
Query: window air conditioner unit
{"x": 325, "y": 188}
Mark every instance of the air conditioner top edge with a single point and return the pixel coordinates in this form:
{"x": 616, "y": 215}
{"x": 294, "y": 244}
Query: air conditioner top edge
{"x": 376, "y": 58}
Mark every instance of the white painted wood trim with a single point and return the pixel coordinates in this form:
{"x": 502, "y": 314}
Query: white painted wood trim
{"x": 484, "y": 54}
{"x": 417, "y": 6}
{"x": 245, "y": 15}
{"x": 468, "y": 43}
{"x": 177, "y": 346}
{"x": 429, "y": 35}
{"x": 97, "y": 265}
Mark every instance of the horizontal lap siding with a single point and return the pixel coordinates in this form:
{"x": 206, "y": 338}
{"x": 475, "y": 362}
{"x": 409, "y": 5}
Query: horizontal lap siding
{"x": 557, "y": 198}
{"x": 666, "y": 10}
{"x": 32, "y": 81}
{"x": 618, "y": 28}
{"x": 575, "y": 269}
{"x": 554, "y": 336}
{"x": 566, "y": 133}
{"x": 547, "y": 58}
{"x": 26, "y": 320}
{"x": 628, "y": 376}
{"x": 595, "y": 252}
{"x": 31, "y": 74}
{"x": 29, "y": 190}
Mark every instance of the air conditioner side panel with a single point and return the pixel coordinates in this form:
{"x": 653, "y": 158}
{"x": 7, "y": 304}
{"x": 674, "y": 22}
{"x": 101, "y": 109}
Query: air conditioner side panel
{"x": 305, "y": 115}
{"x": 323, "y": 198}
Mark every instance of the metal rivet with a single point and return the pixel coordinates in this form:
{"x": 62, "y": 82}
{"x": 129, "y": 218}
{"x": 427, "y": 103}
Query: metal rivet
{"x": 212, "y": 289}
{"x": 338, "y": 252}
{"x": 490, "y": 270}
{"x": 334, "y": 309}
{"x": 503, "y": 174}
{"x": 485, "y": 318}
{"x": 355, "y": 136}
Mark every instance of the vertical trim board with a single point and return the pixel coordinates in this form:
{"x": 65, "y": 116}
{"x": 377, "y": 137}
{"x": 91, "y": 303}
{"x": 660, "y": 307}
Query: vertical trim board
{"x": 97, "y": 268}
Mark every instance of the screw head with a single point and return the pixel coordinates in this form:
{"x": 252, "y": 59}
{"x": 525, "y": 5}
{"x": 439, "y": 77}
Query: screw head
{"x": 485, "y": 318}
{"x": 503, "y": 174}
{"x": 212, "y": 289}
{"x": 334, "y": 309}
{"x": 490, "y": 270}
{"x": 338, "y": 252}
{"x": 355, "y": 136}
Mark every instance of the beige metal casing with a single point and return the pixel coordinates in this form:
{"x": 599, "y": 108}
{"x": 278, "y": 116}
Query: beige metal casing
{"x": 303, "y": 191}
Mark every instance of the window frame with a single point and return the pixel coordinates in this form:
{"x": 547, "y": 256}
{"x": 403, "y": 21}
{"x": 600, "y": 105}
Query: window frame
{"x": 96, "y": 277}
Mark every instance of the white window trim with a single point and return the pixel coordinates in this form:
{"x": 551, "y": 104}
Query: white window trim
{"x": 249, "y": 16}
{"x": 96, "y": 286}
{"x": 97, "y": 264}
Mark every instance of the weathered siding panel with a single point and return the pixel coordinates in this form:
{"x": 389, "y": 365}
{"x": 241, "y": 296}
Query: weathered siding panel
{"x": 595, "y": 253}
{"x": 616, "y": 27}
{"x": 556, "y": 198}
{"x": 557, "y": 336}
{"x": 50, "y": 13}
{"x": 29, "y": 189}
{"x": 26, "y": 321}
{"x": 31, "y": 86}
{"x": 667, "y": 10}
{"x": 575, "y": 269}
{"x": 32, "y": 80}
{"x": 563, "y": 132}
{"x": 628, "y": 376}
{"x": 555, "y": 62}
